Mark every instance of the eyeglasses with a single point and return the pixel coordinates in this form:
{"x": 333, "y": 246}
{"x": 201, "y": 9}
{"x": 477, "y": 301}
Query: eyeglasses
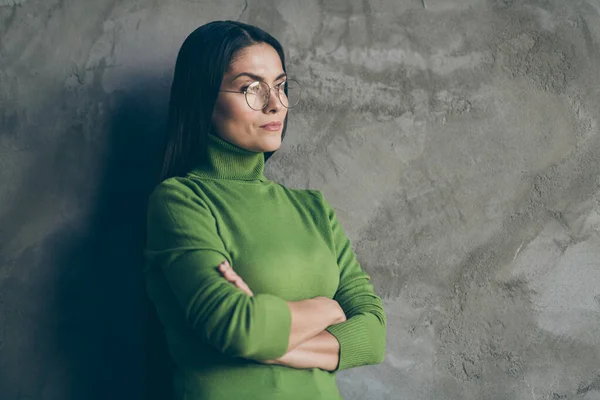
{"x": 258, "y": 93}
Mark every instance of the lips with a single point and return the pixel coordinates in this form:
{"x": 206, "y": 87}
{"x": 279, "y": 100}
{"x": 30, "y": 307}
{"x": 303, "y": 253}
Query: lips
{"x": 272, "y": 125}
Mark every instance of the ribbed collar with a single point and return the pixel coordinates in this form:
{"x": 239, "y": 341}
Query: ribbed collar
{"x": 231, "y": 162}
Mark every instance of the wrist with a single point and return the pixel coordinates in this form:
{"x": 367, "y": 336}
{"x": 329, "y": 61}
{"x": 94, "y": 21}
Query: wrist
{"x": 337, "y": 313}
{"x": 332, "y": 309}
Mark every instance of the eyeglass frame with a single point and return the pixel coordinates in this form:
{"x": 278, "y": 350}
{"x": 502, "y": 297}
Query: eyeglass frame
{"x": 245, "y": 93}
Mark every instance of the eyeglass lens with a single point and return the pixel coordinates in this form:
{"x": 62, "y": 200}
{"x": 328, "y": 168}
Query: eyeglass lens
{"x": 257, "y": 94}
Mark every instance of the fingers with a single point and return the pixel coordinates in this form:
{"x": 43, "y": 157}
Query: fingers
{"x": 229, "y": 274}
{"x": 227, "y": 271}
{"x": 242, "y": 285}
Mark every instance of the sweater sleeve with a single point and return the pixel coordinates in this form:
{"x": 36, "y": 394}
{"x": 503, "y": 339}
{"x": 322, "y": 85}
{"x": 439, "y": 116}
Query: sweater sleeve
{"x": 183, "y": 241}
{"x": 362, "y": 336}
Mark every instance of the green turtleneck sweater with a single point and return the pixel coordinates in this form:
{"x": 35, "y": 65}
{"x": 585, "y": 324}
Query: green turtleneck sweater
{"x": 286, "y": 244}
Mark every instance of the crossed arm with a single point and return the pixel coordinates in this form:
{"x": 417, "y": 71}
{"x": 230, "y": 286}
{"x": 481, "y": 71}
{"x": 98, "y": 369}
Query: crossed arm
{"x": 332, "y": 334}
{"x": 311, "y": 346}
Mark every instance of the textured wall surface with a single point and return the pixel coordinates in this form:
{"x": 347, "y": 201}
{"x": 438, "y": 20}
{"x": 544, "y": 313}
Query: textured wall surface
{"x": 458, "y": 140}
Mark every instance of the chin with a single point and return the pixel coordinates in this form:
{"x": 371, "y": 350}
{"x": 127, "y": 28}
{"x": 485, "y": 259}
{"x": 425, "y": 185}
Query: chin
{"x": 269, "y": 144}
{"x": 266, "y": 149}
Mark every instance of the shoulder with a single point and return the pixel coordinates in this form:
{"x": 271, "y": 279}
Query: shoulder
{"x": 311, "y": 195}
{"x": 311, "y": 199}
{"x": 306, "y": 196}
{"x": 176, "y": 185}
{"x": 175, "y": 191}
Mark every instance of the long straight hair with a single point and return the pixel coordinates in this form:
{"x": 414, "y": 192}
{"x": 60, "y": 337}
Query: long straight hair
{"x": 201, "y": 63}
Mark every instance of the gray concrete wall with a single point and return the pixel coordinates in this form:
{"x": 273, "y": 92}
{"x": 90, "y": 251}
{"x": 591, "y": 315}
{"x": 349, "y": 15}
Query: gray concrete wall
{"x": 458, "y": 140}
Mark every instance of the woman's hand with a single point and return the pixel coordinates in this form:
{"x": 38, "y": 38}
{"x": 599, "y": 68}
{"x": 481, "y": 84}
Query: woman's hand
{"x": 229, "y": 274}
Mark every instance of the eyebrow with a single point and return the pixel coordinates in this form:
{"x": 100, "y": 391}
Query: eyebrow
{"x": 257, "y": 77}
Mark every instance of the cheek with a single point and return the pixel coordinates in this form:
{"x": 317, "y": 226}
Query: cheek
{"x": 233, "y": 113}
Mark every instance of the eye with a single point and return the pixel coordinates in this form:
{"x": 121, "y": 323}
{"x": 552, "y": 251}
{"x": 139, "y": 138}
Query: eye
{"x": 253, "y": 88}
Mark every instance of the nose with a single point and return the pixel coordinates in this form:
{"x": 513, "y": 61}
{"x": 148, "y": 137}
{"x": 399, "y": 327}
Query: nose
{"x": 273, "y": 103}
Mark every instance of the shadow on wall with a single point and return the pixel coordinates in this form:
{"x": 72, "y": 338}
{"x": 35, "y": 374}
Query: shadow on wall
{"x": 109, "y": 335}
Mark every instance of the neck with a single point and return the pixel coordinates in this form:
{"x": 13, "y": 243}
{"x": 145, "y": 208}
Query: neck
{"x": 230, "y": 162}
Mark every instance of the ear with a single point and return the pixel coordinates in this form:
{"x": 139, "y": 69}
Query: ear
{"x": 215, "y": 113}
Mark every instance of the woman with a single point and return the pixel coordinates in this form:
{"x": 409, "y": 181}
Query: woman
{"x": 298, "y": 306}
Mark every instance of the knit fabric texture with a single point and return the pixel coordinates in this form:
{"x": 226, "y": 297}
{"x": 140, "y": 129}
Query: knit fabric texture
{"x": 286, "y": 244}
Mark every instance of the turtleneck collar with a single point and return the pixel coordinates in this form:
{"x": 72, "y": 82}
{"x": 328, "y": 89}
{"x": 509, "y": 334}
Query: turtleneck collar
{"x": 231, "y": 162}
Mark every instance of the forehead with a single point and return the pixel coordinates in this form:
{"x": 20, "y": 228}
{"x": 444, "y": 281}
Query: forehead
{"x": 259, "y": 59}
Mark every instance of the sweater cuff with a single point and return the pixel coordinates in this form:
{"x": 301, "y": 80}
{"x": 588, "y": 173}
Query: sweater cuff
{"x": 278, "y": 324}
{"x": 355, "y": 348}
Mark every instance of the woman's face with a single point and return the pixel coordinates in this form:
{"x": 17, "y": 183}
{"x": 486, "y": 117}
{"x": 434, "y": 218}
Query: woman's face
{"x": 233, "y": 119}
